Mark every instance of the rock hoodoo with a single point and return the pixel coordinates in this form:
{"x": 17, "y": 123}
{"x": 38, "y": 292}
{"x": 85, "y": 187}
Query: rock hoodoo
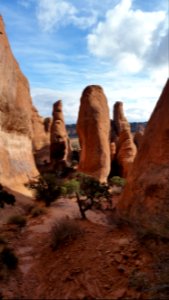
{"x": 122, "y": 137}
{"x": 138, "y": 136}
{"x": 146, "y": 196}
{"x": 60, "y": 149}
{"x": 93, "y": 128}
{"x": 20, "y": 124}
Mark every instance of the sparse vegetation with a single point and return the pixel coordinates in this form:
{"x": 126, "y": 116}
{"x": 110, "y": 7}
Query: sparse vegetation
{"x": 47, "y": 187}
{"x": 70, "y": 187}
{"x": 116, "y": 180}
{"x": 17, "y": 220}
{"x": 64, "y": 231}
{"x": 5, "y": 197}
{"x": 37, "y": 211}
{"x": 138, "y": 280}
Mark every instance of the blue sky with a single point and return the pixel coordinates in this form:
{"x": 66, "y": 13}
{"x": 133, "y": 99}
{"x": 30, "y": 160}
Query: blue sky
{"x": 64, "y": 45}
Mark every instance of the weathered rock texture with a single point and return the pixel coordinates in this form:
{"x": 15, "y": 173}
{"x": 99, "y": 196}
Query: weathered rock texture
{"x": 138, "y": 136}
{"x": 60, "y": 149}
{"x": 93, "y": 128}
{"x": 146, "y": 196}
{"x": 18, "y": 118}
{"x": 123, "y": 139}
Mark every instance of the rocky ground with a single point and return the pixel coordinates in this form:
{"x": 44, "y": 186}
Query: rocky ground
{"x": 107, "y": 260}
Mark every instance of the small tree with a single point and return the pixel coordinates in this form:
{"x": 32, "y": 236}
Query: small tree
{"x": 47, "y": 187}
{"x": 93, "y": 190}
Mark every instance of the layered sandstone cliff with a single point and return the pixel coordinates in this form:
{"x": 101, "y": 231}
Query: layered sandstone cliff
{"x": 146, "y": 196}
{"x": 93, "y": 127}
{"x": 18, "y": 118}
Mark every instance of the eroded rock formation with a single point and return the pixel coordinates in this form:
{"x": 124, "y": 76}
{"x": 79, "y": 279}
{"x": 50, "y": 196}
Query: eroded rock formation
{"x": 138, "y": 136}
{"x": 93, "y": 128}
{"x": 60, "y": 149}
{"x": 18, "y": 119}
{"x": 123, "y": 139}
{"x": 146, "y": 196}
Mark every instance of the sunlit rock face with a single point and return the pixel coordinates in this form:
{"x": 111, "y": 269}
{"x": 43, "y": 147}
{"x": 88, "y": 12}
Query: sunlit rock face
{"x": 125, "y": 148}
{"x": 18, "y": 119}
{"x": 93, "y": 127}
{"x": 146, "y": 196}
{"x": 60, "y": 149}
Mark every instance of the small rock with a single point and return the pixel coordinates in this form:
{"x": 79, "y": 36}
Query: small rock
{"x": 118, "y": 257}
{"x": 121, "y": 268}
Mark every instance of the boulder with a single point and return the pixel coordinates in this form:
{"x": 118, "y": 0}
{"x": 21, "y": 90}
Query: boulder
{"x": 146, "y": 196}
{"x": 93, "y": 128}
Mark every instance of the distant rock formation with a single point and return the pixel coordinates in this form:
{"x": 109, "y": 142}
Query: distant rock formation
{"x": 123, "y": 139}
{"x": 120, "y": 121}
{"x": 146, "y": 196}
{"x": 60, "y": 149}
{"x": 93, "y": 127}
{"x": 138, "y": 136}
{"x": 18, "y": 119}
{"x": 40, "y": 136}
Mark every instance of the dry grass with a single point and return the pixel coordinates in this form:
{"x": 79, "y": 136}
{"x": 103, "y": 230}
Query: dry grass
{"x": 65, "y": 231}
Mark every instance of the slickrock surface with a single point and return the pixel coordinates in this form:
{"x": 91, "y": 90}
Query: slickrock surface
{"x": 60, "y": 145}
{"x": 146, "y": 196}
{"x": 93, "y": 127}
{"x": 20, "y": 124}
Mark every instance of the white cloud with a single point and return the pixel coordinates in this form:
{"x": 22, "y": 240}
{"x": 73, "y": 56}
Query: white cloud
{"x": 126, "y": 36}
{"x": 54, "y": 13}
{"x": 139, "y": 98}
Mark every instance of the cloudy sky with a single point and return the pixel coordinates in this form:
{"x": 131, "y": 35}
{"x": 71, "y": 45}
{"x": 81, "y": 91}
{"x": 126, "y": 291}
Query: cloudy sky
{"x": 64, "y": 45}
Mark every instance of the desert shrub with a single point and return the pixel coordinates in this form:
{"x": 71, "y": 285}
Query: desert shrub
{"x": 17, "y": 220}
{"x": 5, "y": 197}
{"x": 70, "y": 187}
{"x": 8, "y": 258}
{"x": 138, "y": 280}
{"x": 116, "y": 180}
{"x": 93, "y": 191}
{"x": 47, "y": 187}
{"x": 37, "y": 211}
{"x": 64, "y": 231}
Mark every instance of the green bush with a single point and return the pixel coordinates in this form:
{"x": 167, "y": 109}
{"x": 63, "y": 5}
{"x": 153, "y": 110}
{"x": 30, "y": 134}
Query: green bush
{"x": 8, "y": 258}
{"x": 92, "y": 188}
{"x": 17, "y": 220}
{"x": 70, "y": 187}
{"x": 47, "y": 187}
{"x": 64, "y": 231}
{"x": 116, "y": 180}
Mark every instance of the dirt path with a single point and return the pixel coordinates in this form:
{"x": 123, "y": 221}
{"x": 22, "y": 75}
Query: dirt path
{"x": 101, "y": 263}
